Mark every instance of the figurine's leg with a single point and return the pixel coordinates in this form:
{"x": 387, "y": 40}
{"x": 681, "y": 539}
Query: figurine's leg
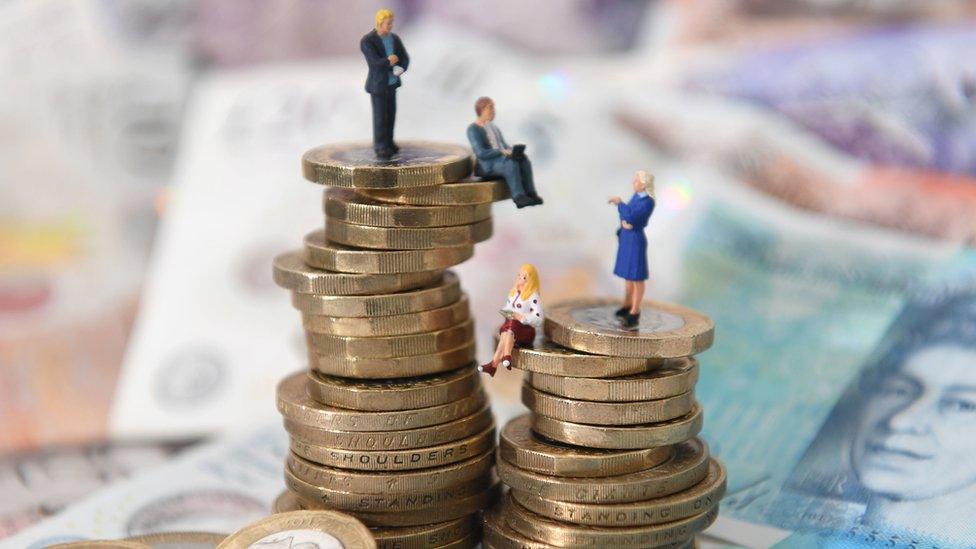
{"x": 525, "y": 170}
{"x": 507, "y": 342}
{"x": 391, "y": 121}
{"x": 513, "y": 177}
{"x": 637, "y": 297}
{"x": 628, "y": 294}
{"x": 378, "y": 107}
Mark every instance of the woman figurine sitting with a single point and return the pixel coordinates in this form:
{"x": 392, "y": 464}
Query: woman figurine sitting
{"x": 523, "y": 314}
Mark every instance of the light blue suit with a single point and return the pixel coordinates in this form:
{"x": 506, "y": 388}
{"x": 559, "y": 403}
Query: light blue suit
{"x": 491, "y": 162}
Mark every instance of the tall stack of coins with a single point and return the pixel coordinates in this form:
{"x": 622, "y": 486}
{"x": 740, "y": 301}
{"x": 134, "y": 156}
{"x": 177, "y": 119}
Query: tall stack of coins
{"x": 390, "y": 423}
{"x": 609, "y": 456}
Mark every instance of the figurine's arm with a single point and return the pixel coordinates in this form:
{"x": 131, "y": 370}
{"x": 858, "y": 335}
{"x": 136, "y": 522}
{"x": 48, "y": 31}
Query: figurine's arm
{"x": 404, "y": 61}
{"x": 480, "y": 145}
{"x": 373, "y": 59}
{"x": 626, "y": 212}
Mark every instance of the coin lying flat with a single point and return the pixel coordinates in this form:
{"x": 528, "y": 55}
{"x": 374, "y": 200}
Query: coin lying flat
{"x": 392, "y": 325}
{"x": 459, "y": 193}
{"x": 665, "y": 330}
{"x": 397, "y": 460}
{"x": 676, "y": 376}
{"x": 349, "y": 207}
{"x": 417, "y": 164}
{"x": 325, "y": 528}
{"x": 331, "y": 256}
{"x": 441, "y": 293}
{"x": 386, "y": 238}
{"x": 393, "y": 394}
{"x": 297, "y": 406}
{"x": 545, "y": 357}
{"x": 606, "y": 413}
{"x": 687, "y": 467}
{"x": 621, "y": 436}
{"x": 391, "y": 346}
{"x": 99, "y": 544}
{"x": 386, "y": 368}
{"x": 291, "y": 272}
{"x": 695, "y": 500}
{"x": 497, "y": 534}
{"x": 524, "y": 449}
{"x": 180, "y": 540}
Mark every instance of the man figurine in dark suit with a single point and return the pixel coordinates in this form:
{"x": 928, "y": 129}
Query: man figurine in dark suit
{"x": 387, "y": 59}
{"x": 494, "y": 158}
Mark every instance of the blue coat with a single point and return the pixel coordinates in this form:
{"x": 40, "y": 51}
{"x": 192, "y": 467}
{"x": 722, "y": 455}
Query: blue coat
{"x": 488, "y": 161}
{"x": 632, "y": 243}
{"x": 380, "y": 69}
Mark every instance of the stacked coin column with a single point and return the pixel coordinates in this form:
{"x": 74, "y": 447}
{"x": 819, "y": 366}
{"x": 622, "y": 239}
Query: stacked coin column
{"x": 390, "y": 423}
{"x": 609, "y": 456}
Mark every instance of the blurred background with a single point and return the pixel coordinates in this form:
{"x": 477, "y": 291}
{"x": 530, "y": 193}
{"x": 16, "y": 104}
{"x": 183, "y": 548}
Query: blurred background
{"x": 815, "y": 164}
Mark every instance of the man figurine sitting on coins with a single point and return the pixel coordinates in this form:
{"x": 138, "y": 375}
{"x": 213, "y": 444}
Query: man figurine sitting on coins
{"x": 387, "y": 60}
{"x": 631, "y": 264}
{"x": 494, "y": 158}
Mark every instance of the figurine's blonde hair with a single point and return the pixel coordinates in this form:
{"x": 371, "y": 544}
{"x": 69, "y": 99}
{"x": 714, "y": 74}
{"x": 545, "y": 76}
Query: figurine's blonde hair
{"x": 383, "y": 15}
{"x": 531, "y": 282}
{"x": 647, "y": 180}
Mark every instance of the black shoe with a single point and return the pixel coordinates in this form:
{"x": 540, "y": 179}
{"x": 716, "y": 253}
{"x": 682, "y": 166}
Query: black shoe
{"x": 631, "y": 321}
{"x": 536, "y": 199}
{"x": 395, "y": 148}
{"x": 522, "y": 201}
{"x": 384, "y": 154}
{"x": 621, "y": 312}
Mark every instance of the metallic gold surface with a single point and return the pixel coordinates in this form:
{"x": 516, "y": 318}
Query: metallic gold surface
{"x": 349, "y": 207}
{"x": 545, "y": 357}
{"x": 392, "y": 325}
{"x": 336, "y": 257}
{"x": 385, "y": 238}
{"x": 386, "y": 368}
{"x": 441, "y": 293}
{"x": 291, "y": 272}
{"x": 606, "y": 413}
{"x": 418, "y": 164}
{"x": 621, "y": 437}
{"x": 391, "y": 346}
{"x": 674, "y": 377}
{"x": 460, "y": 193}
{"x": 350, "y": 532}
{"x": 393, "y": 394}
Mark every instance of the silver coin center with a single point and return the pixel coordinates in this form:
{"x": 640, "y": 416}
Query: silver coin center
{"x": 651, "y": 320}
{"x": 298, "y": 539}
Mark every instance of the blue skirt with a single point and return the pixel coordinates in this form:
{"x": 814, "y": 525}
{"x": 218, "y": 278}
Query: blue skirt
{"x": 631, "y": 261}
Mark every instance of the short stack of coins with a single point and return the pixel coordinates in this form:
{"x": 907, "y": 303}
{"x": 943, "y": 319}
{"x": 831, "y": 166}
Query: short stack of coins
{"x": 609, "y": 455}
{"x": 390, "y": 423}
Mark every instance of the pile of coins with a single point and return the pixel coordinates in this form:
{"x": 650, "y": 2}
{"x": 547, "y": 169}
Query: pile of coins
{"x": 390, "y": 423}
{"x": 609, "y": 456}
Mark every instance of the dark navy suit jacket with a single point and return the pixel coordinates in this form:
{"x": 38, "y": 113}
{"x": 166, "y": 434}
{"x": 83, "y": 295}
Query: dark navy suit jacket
{"x": 378, "y": 78}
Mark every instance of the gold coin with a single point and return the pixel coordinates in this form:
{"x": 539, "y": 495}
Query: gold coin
{"x": 417, "y": 164}
{"x": 468, "y": 542}
{"x": 460, "y": 193}
{"x": 325, "y": 528}
{"x": 618, "y": 436}
{"x": 386, "y": 368}
{"x": 384, "y": 502}
{"x": 606, "y": 413}
{"x": 385, "y": 238}
{"x": 393, "y": 482}
{"x": 99, "y": 544}
{"x": 331, "y": 256}
{"x": 693, "y": 501}
{"x": 181, "y": 540}
{"x": 349, "y": 207}
{"x": 687, "y": 467}
{"x": 392, "y": 325}
{"x": 421, "y": 437}
{"x": 497, "y": 534}
{"x": 297, "y": 406}
{"x": 397, "y": 460}
{"x": 665, "y": 330}
{"x": 291, "y": 272}
{"x": 524, "y": 449}
{"x": 676, "y": 376}
{"x": 445, "y": 291}
{"x": 545, "y": 357}
{"x": 562, "y": 534}
{"x": 357, "y": 348}
{"x": 393, "y": 394}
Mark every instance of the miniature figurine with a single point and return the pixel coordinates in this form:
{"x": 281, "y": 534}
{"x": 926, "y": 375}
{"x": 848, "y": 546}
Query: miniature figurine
{"x": 631, "y": 264}
{"x": 387, "y": 60}
{"x": 494, "y": 158}
{"x": 523, "y": 314}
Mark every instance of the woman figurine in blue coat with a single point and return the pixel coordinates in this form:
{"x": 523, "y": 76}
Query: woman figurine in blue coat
{"x": 631, "y": 262}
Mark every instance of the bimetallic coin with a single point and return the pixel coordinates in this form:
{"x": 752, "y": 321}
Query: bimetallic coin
{"x": 460, "y": 193}
{"x": 291, "y": 272}
{"x": 694, "y": 501}
{"x": 330, "y": 256}
{"x": 621, "y": 436}
{"x": 385, "y": 238}
{"x": 99, "y": 544}
{"x": 397, "y": 460}
{"x": 324, "y": 528}
{"x": 407, "y": 439}
{"x": 606, "y": 413}
{"x": 562, "y": 534}
{"x": 357, "y": 348}
{"x": 393, "y": 394}
{"x": 676, "y": 376}
{"x": 392, "y": 325}
{"x": 386, "y": 368}
{"x": 521, "y": 447}
{"x": 665, "y": 330}
{"x": 180, "y": 540}
{"x": 687, "y": 467}
{"x": 545, "y": 357}
{"x": 417, "y": 164}
{"x": 441, "y": 293}
{"x": 390, "y": 482}
{"x": 298, "y": 407}
{"x": 349, "y": 207}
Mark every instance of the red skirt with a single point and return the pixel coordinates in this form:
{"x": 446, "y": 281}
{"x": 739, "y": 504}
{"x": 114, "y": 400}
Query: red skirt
{"x": 524, "y": 334}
